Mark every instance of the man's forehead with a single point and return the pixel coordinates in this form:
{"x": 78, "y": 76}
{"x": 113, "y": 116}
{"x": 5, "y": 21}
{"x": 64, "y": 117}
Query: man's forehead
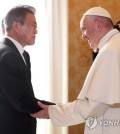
{"x": 84, "y": 20}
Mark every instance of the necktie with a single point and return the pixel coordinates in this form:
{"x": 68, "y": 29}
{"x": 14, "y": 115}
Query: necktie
{"x": 26, "y": 57}
{"x": 27, "y": 61}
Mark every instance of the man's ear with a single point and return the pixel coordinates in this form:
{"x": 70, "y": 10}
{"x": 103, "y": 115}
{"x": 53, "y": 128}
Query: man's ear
{"x": 98, "y": 25}
{"x": 16, "y": 26}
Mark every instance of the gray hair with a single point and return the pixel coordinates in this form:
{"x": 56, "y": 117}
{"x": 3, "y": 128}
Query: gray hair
{"x": 18, "y": 14}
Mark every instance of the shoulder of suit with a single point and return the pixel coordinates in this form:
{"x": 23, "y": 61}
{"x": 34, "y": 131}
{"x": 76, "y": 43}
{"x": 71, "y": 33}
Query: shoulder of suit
{"x": 5, "y": 49}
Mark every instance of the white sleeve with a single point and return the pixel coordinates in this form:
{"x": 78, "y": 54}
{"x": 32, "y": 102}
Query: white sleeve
{"x": 75, "y": 112}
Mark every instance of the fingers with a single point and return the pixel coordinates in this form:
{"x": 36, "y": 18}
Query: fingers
{"x": 41, "y": 115}
{"x": 41, "y": 105}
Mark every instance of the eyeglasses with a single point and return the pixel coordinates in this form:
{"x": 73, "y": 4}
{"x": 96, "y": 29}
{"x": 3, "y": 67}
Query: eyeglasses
{"x": 35, "y": 27}
{"x": 32, "y": 25}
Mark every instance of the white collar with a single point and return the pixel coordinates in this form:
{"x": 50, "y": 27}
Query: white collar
{"x": 107, "y": 37}
{"x": 17, "y": 44}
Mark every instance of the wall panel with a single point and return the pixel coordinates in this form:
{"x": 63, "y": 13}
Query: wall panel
{"x": 79, "y": 51}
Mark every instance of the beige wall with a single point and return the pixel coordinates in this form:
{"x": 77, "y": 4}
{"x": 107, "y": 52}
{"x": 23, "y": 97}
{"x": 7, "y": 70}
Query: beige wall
{"x": 79, "y": 51}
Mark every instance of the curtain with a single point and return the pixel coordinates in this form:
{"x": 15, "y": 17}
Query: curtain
{"x": 59, "y": 55}
{"x": 52, "y": 41}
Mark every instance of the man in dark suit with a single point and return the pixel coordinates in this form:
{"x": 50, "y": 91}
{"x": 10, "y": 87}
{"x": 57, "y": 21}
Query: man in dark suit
{"x": 17, "y": 100}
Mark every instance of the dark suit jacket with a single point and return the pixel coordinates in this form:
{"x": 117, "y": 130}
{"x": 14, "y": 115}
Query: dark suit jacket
{"x": 17, "y": 99}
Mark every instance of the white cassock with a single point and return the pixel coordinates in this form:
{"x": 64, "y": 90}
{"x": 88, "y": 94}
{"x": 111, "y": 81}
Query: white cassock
{"x": 99, "y": 99}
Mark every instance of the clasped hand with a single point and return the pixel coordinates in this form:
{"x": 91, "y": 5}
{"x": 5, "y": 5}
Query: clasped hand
{"x": 42, "y": 114}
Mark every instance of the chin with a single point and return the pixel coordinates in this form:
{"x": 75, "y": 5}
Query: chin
{"x": 92, "y": 46}
{"x": 32, "y": 43}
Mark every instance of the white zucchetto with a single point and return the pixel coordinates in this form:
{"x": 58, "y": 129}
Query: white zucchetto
{"x": 98, "y": 11}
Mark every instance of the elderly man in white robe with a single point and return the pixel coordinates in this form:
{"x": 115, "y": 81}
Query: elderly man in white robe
{"x": 98, "y": 103}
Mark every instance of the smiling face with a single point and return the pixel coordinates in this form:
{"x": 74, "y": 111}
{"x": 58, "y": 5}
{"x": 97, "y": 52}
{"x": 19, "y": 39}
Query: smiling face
{"x": 89, "y": 29}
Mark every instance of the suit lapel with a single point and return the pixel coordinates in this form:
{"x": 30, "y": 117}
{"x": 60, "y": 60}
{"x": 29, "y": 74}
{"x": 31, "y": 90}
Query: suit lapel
{"x": 27, "y": 60}
{"x": 9, "y": 43}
